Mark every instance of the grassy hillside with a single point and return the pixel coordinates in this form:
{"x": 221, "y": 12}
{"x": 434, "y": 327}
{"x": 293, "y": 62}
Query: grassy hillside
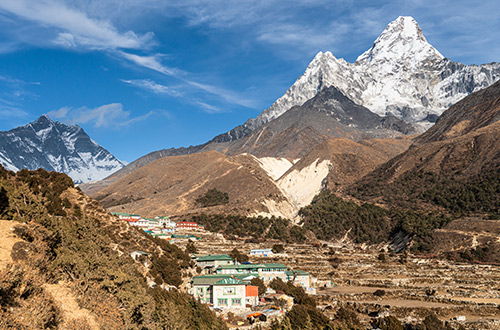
{"x": 69, "y": 238}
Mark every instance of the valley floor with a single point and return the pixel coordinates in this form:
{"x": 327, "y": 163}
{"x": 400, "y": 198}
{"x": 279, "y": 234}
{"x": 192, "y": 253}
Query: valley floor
{"x": 406, "y": 287}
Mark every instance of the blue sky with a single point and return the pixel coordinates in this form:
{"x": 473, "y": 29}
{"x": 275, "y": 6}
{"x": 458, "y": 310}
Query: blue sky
{"x": 142, "y": 75}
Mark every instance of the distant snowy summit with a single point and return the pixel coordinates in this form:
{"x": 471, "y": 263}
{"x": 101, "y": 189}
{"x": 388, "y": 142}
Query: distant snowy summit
{"x": 401, "y": 75}
{"x": 56, "y": 147}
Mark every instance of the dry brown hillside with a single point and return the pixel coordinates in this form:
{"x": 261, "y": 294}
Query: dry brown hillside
{"x": 463, "y": 142}
{"x": 171, "y": 185}
{"x": 472, "y": 113}
{"x": 351, "y": 160}
{"x": 455, "y": 164}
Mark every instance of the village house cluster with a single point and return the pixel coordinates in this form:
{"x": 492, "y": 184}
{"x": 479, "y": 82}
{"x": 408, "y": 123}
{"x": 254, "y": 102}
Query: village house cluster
{"x": 162, "y": 227}
{"x": 225, "y": 284}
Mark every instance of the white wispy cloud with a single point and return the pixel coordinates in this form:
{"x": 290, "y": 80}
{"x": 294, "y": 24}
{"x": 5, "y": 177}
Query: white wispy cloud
{"x": 228, "y": 95}
{"x": 72, "y": 27}
{"x": 149, "y": 85}
{"x": 106, "y": 116}
{"x": 12, "y": 92}
{"x": 75, "y": 28}
{"x": 208, "y": 108}
{"x": 8, "y": 111}
{"x": 160, "y": 89}
{"x": 154, "y": 63}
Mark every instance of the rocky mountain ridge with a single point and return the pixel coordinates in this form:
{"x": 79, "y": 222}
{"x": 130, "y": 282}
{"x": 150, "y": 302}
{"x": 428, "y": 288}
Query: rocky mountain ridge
{"x": 329, "y": 114}
{"x": 455, "y": 164}
{"x": 55, "y": 146}
{"x": 401, "y": 74}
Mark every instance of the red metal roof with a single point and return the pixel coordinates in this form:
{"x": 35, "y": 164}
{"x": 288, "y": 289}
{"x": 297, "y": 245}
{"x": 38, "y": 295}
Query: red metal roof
{"x": 251, "y": 291}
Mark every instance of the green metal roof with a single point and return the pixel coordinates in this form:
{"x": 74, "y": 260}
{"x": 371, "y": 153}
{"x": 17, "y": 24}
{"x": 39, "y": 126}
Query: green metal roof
{"x": 229, "y": 280}
{"x": 253, "y": 266}
{"x": 119, "y": 213}
{"x": 242, "y": 277}
{"x": 245, "y": 266}
{"x": 214, "y": 257}
{"x": 216, "y": 279}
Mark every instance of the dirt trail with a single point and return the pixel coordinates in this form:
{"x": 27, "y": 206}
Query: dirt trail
{"x": 7, "y": 241}
{"x": 60, "y": 292}
{"x": 68, "y": 304}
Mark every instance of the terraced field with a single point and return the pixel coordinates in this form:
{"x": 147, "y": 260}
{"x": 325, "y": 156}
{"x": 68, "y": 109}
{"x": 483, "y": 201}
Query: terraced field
{"x": 376, "y": 284}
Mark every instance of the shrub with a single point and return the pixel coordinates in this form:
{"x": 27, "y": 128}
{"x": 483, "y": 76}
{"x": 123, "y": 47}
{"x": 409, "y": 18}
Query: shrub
{"x": 387, "y": 323}
{"x": 278, "y": 248}
{"x": 260, "y": 284}
{"x": 213, "y": 197}
{"x": 238, "y": 256}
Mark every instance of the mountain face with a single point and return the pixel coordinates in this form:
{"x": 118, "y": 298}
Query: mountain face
{"x": 170, "y": 185}
{"x": 472, "y": 113}
{"x": 329, "y": 114}
{"x": 256, "y": 186}
{"x": 56, "y": 147}
{"x": 401, "y": 75}
{"x": 454, "y": 165}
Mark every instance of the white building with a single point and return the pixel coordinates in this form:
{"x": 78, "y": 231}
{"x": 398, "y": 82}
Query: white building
{"x": 220, "y": 291}
{"x": 261, "y": 252}
{"x": 266, "y": 271}
{"x": 165, "y": 222}
{"x": 214, "y": 260}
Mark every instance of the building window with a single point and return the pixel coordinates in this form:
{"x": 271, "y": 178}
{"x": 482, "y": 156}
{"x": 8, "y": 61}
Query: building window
{"x": 222, "y": 302}
{"x": 200, "y": 291}
{"x": 229, "y": 291}
{"x": 236, "y": 301}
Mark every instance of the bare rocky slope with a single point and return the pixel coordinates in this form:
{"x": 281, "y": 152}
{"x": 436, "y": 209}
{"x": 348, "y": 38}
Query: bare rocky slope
{"x": 464, "y": 141}
{"x": 454, "y": 166}
{"x": 265, "y": 184}
{"x": 256, "y": 186}
{"x": 330, "y": 114}
{"x": 170, "y": 185}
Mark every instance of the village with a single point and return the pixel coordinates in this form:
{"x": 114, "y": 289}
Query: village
{"x": 370, "y": 280}
{"x": 226, "y": 285}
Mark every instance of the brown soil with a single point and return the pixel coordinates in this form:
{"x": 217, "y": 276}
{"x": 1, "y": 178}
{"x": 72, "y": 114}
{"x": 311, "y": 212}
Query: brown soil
{"x": 62, "y": 295}
{"x": 352, "y": 160}
{"x": 7, "y": 241}
{"x": 407, "y": 303}
{"x": 66, "y": 301}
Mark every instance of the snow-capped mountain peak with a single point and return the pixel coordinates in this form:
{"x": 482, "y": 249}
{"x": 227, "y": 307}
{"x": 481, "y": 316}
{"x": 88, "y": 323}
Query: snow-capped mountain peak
{"x": 402, "y": 40}
{"x": 55, "y": 146}
{"x": 400, "y": 75}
